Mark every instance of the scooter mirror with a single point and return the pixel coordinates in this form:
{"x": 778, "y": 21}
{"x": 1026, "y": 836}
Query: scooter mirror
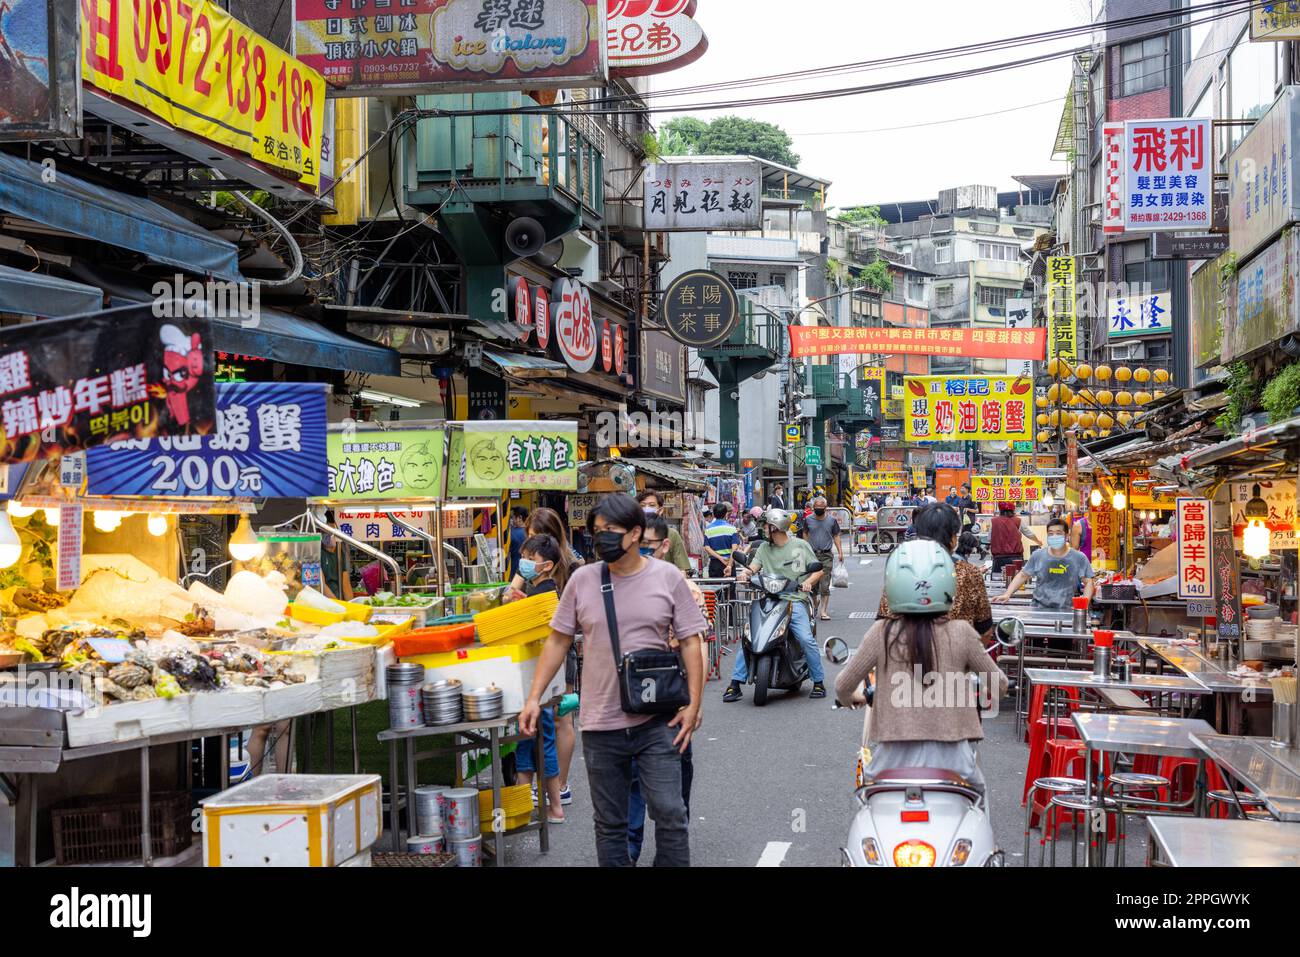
{"x": 740, "y": 558}
{"x": 1010, "y": 632}
{"x": 836, "y": 650}
{"x": 813, "y": 567}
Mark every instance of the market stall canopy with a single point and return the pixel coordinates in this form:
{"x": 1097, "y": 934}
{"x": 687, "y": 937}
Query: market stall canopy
{"x": 95, "y": 212}
{"x": 36, "y": 294}
{"x": 521, "y": 366}
{"x": 681, "y": 478}
{"x": 1264, "y": 448}
{"x": 285, "y": 338}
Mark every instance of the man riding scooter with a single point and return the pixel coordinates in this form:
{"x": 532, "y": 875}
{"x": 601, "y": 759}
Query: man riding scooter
{"x": 783, "y": 554}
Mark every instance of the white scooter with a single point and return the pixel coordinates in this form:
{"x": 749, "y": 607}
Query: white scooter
{"x": 921, "y": 817}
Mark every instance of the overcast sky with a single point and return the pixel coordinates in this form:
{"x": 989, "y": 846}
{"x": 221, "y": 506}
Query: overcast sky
{"x": 749, "y": 38}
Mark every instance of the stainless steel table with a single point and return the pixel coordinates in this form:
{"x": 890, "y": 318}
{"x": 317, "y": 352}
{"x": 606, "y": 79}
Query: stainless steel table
{"x": 1207, "y": 842}
{"x": 1271, "y": 773}
{"x": 1130, "y": 734}
{"x": 1189, "y": 660}
{"x": 1139, "y": 682}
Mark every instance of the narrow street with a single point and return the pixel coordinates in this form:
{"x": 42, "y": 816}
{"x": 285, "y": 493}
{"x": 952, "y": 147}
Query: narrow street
{"x": 774, "y": 785}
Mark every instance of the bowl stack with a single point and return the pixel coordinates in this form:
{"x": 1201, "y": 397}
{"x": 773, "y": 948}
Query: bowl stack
{"x": 483, "y": 704}
{"x": 442, "y": 702}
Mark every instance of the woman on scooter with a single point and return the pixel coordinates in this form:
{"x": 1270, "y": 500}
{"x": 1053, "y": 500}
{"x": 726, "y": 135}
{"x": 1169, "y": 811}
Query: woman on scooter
{"x": 925, "y": 712}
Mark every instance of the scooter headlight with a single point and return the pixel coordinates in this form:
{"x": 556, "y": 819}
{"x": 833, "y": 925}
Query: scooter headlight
{"x": 773, "y": 586}
{"x": 960, "y": 854}
{"x": 914, "y": 854}
{"x": 871, "y": 851}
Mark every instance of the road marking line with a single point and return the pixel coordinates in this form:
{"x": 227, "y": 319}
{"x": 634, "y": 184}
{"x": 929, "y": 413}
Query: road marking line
{"x": 864, "y": 561}
{"x": 773, "y": 854}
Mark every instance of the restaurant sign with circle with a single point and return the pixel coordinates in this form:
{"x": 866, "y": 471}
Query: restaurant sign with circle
{"x": 620, "y": 350}
{"x": 575, "y": 328}
{"x": 700, "y": 308}
{"x": 523, "y": 305}
{"x": 606, "y": 346}
{"x": 542, "y": 317}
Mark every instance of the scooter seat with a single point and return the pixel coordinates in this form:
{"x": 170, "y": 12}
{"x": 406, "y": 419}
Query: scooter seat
{"x": 913, "y": 775}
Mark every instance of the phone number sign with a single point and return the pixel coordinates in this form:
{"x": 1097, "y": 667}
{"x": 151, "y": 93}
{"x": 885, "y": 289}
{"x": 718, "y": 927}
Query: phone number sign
{"x": 1169, "y": 183}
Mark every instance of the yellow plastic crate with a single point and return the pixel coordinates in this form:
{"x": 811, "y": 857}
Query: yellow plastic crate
{"x": 499, "y": 624}
{"x": 315, "y": 616}
{"x": 515, "y": 652}
{"x": 386, "y": 634}
{"x": 352, "y": 611}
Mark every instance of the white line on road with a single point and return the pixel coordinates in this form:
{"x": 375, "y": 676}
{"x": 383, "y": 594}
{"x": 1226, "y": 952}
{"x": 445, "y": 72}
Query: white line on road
{"x": 773, "y": 854}
{"x": 864, "y": 561}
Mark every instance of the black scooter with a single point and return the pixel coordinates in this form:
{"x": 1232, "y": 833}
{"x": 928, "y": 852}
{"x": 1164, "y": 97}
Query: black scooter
{"x": 773, "y": 656}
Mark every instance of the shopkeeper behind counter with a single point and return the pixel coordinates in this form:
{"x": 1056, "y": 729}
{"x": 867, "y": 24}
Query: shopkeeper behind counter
{"x": 1060, "y": 572}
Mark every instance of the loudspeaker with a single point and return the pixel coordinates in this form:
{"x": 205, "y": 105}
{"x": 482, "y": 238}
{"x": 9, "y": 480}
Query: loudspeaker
{"x": 551, "y": 253}
{"x": 525, "y": 237}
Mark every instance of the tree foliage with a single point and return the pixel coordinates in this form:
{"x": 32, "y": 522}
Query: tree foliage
{"x": 877, "y": 276}
{"x": 861, "y": 216}
{"x": 725, "y": 136}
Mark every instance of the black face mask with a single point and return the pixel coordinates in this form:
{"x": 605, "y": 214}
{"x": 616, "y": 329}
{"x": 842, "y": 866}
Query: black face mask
{"x": 819, "y": 512}
{"x": 609, "y": 546}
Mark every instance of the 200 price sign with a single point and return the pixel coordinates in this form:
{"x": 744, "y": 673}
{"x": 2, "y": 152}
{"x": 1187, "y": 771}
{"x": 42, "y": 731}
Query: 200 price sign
{"x": 202, "y": 71}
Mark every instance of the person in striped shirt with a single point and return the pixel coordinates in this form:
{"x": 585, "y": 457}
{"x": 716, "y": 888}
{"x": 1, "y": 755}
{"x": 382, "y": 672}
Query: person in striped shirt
{"x": 720, "y": 540}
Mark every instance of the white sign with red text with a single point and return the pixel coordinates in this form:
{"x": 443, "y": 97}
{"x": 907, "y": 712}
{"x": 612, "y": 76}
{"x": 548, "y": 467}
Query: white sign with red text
{"x": 652, "y": 36}
{"x": 575, "y": 328}
{"x": 1169, "y": 179}
{"x": 523, "y": 306}
{"x": 1112, "y": 171}
{"x": 1195, "y": 578}
{"x": 542, "y": 317}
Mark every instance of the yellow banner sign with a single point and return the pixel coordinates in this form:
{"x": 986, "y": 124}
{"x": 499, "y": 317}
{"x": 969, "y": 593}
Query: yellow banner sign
{"x": 1062, "y": 327}
{"x": 1006, "y": 488}
{"x": 880, "y": 480}
{"x": 194, "y": 66}
{"x": 967, "y": 408}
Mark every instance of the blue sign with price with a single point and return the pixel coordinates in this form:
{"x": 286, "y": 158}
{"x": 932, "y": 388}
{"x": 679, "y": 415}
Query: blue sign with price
{"x": 269, "y": 442}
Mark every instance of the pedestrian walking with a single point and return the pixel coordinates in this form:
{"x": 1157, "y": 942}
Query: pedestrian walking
{"x": 823, "y": 533}
{"x": 633, "y": 603}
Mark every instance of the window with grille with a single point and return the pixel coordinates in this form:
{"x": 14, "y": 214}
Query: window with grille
{"x": 1141, "y": 270}
{"x": 943, "y": 252}
{"x": 994, "y": 297}
{"x": 1144, "y": 65}
{"x": 777, "y": 279}
{"x": 943, "y": 296}
{"x": 743, "y": 280}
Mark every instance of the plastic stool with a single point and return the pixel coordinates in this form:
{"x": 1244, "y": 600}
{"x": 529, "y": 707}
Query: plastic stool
{"x": 1038, "y": 700}
{"x": 1038, "y": 765}
{"x": 1178, "y": 770}
{"x": 1074, "y": 805}
{"x": 1053, "y": 786}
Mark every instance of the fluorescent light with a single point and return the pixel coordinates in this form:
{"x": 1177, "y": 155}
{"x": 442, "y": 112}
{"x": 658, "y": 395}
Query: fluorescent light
{"x": 387, "y": 398}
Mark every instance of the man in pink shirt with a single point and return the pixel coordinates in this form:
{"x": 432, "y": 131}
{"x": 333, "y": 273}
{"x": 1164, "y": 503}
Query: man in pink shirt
{"x": 651, "y": 599}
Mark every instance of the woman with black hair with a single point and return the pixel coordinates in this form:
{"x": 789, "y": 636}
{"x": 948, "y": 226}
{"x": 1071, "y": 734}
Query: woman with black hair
{"x": 651, "y": 603}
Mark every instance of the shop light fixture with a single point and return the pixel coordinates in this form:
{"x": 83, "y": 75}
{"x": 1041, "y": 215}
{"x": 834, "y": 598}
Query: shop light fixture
{"x": 1119, "y": 501}
{"x": 10, "y": 547}
{"x": 1255, "y": 539}
{"x": 18, "y": 510}
{"x": 1048, "y": 499}
{"x": 157, "y": 525}
{"x": 51, "y": 517}
{"x": 387, "y": 398}
{"x": 107, "y": 520}
{"x": 245, "y": 546}
{"x": 1095, "y": 498}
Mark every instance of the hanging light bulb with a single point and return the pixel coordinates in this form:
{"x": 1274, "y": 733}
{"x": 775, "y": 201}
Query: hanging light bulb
{"x": 107, "y": 520}
{"x": 244, "y": 544}
{"x": 1048, "y": 499}
{"x": 1255, "y": 539}
{"x": 1095, "y": 498}
{"x": 157, "y": 525}
{"x": 1119, "y": 501}
{"x": 17, "y": 510}
{"x": 51, "y": 517}
{"x": 10, "y": 547}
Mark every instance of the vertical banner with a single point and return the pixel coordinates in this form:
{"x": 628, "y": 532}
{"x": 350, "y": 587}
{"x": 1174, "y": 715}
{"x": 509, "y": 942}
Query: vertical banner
{"x": 1062, "y": 328}
{"x": 69, "y": 574}
{"x": 1169, "y": 181}
{"x": 1020, "y": 315}
{"x": 1112, "y": 158}
{"x": 1105, "y": 522}
{"x": 873, "y": 391}
{"x": 1227, "y": 584}
{"x": 1195, "y": 571}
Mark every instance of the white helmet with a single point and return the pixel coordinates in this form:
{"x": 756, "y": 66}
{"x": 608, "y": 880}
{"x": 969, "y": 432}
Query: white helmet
{"x": 778, "y": 519}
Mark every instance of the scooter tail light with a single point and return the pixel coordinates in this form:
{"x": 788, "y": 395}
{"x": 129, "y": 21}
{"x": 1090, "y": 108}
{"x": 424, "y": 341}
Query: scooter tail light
{"x": 914, "y": 817}
{"x": 960, "y": 854}
{"x": 871, "y": 851}
{"x": 914, "y": 854}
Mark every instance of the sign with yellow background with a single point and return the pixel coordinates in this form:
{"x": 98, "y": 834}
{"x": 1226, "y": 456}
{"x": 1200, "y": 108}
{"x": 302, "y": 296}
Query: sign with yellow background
{"x": 1105, "y": 522}
{"x": 879, "y": 480}
{"x": 1006, "y": 488}
{"x": 197, "y": 68}
{"x": 490, "y": 457}
{"x": 967, "y": 408}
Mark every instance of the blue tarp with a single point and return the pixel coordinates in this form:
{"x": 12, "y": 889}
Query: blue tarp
{"x": 84, "y": 209}
{"x": 285, "y": 338}
{"x": 36, "y": 294}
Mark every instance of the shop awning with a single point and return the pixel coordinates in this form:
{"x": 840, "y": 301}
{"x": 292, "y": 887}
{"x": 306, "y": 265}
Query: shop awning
{"x": 84, "y": 209}
{"x": 36, "y": 294}
{"x": 1268, "y": 447}
{"x": 284, "y": 338}
{"x": 678, "y": 477}
{"x": 525, "y": 366}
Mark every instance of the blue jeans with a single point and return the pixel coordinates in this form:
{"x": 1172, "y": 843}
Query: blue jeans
{"x": 609, "y": 757}
{"x": 801, "y": 628}
{"x": 526, "y": 752}
{"x": 636, "y": 804}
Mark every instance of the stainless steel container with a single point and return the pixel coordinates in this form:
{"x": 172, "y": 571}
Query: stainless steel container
{"x": 404, "y": 706}
{"x": 426, "y": 844}
{"x": 1284, "y": 724}
{"x": 1125, "y": 670}
{"x": 1080, "y": 621}
{"x": 468, "y": 851}
{"x": 429, "y": 811}
{"x": 1101, "y": 662}
{"x": 462, "y": 814}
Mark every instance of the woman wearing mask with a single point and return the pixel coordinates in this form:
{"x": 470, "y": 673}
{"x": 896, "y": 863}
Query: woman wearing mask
{"x": 547, "y": 521}
{"x": 543, "y": 571}
{"x": 652, "y": 503}
{"x": 920, "y": 651}
{"x": 940, "y": 524}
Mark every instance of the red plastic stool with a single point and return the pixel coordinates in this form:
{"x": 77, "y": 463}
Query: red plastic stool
{"x": 1038, "y": 700}
{"x": 1038, "y": 736}
{"x": 1067, "y": 758}
{"x": 1181, "y": 774}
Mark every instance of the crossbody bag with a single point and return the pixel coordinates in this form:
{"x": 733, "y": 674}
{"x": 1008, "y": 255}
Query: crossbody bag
{"x": 649, "y": 681}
